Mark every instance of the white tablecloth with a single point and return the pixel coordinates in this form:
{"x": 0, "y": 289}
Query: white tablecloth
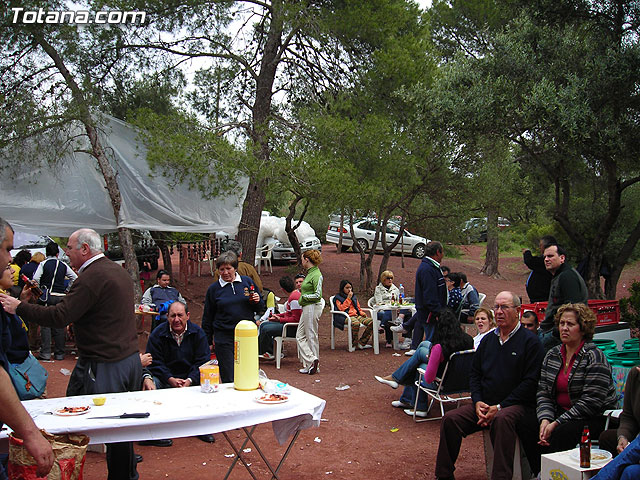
{"x": 178, "y": 412}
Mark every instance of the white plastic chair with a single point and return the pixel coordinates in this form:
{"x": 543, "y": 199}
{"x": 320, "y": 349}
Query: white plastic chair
{"x": 347, "y": 323}
{"x": 206, "y": 259}
{"x": 265, "y": 256}
{"x": 289, "y": 334}
{"x": 481, "y": 297}
{"x": 376, "y": 325}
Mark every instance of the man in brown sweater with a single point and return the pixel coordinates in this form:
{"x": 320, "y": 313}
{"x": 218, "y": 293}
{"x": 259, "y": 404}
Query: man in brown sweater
{"x": 100, "y": 306}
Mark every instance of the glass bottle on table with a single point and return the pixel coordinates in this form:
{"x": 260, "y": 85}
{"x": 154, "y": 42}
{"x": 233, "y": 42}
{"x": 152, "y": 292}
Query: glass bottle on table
{"x": 585, "y": 448}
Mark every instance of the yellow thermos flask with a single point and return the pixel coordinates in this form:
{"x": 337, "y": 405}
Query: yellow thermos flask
{"x": 245, "y": 374}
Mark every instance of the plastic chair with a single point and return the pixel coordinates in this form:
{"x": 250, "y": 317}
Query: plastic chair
{"x": 376, "y": 325}
{"x": 454, "y": 381}
{"x": 265, "y": 256}
{"x": 206, "y": 259}
{"x": 335, "y": 311}
{"x": 289, "y": 334}
{"x": 481, "y": 297}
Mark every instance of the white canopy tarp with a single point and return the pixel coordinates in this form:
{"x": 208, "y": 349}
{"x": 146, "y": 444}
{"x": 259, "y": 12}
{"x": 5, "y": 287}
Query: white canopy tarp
{"x": 74, "y": 195}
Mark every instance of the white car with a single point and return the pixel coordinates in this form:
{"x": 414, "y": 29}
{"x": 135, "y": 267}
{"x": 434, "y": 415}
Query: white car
{"x": 283, "y": 252}
{"x": 365, "y": 231}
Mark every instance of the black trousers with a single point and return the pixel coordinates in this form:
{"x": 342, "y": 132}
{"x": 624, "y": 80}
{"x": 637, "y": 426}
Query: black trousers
{"x": 89, "y": 378}
{"x": 223, "y": 340}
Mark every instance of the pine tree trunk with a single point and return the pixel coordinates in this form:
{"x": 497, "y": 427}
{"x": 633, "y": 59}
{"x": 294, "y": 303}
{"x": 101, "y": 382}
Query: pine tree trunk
{"x": 492, "y": 258}
{"x": 131, "y": 264}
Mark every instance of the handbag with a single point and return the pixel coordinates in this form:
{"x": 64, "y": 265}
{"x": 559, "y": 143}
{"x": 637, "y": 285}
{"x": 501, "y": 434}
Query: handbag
{"x": 29, "y": 378}
{"x": 44, "y": 298}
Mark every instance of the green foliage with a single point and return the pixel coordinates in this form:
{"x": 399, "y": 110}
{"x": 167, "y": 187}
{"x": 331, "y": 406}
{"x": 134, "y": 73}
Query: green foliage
{"x": 183, "y": 150}
{"x": 630, "y": 306}
{"x": 559, "y": 81}
{"x": 451, "y": 251}
{"x": 511, "y": 241}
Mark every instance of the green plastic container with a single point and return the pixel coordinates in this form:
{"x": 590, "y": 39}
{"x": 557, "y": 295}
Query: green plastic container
{"x": 606, "y": 344}
{"x": 631, "y": 344}
{"x": 621, "y": 363}
{"x": 623, "y": 358}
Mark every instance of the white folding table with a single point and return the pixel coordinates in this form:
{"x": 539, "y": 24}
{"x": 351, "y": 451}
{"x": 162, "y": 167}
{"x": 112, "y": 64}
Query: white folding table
{"x": 182, "y": 412}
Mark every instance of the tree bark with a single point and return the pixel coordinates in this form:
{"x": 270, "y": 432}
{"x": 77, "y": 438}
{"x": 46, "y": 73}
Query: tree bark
{"x": 159, "y": 238}
{"x": 492, "y": 258}
{"x": 250, "y": 220}
{"x": 126, "y": 241}
{"x": 291, "y": 231}
{"x": 340, "y": 233}
{"x": 260, "y": 134}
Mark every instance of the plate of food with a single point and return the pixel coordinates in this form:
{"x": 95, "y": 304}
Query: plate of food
{"x": 272, "y": 398}
{"x": 598, "y": 456}
{"x": 72, "y": 411}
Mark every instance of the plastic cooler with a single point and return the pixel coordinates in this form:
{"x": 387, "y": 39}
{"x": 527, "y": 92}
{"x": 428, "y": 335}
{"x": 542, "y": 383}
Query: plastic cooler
{"x": 607, "y": 311}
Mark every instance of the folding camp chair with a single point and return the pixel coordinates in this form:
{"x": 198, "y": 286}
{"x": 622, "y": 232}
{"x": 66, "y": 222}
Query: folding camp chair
{"x": 454, "y": 381}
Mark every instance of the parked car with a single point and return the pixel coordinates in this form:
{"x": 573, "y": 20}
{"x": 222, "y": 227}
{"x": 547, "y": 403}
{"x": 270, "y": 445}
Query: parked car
{"x": 475, "y": 229}
{"x": 365, "y": 230}
{"x": 283, "y": 252}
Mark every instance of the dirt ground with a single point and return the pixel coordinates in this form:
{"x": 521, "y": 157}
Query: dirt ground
{"x": 361, "y": 435}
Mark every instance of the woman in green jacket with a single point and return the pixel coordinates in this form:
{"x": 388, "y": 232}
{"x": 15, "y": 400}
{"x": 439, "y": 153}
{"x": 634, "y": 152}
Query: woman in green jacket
{"x": 311, "y": 302}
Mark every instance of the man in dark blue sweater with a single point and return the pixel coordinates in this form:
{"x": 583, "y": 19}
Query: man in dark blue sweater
{"x": 178, "y": 348}
{"x": 430, "y": 295}
{"x": 503, "y": 383}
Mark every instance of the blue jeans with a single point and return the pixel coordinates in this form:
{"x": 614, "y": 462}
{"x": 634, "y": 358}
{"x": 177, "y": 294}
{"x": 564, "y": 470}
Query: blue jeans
{"x": 624, "y": 466}
{"x": 267, "y": 332}
{"x": 4, "y": 459}
{"x": 406, "y": 375}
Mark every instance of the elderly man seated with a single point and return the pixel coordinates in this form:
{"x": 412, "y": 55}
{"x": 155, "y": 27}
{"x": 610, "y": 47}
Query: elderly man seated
{"x": 161, "y": 293}
{"x": 178, "y": 349}
{"x": 503, "y": 381}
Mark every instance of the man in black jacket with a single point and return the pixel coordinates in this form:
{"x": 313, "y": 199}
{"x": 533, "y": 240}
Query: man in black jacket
{"x": 567, "y": 286}
{"x": 539, "y": 280}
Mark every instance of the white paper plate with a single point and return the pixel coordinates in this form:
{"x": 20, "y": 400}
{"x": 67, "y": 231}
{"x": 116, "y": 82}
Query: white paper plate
{"x": 598, "y": 456}
{"x": 266, "y": 399}
{"x": 62, "y": 413}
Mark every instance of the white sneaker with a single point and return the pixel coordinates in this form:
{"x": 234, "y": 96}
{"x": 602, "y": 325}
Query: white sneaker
{"x": 267, "y": 356}
{"x": 304, "y": 370}
{"x": 419, "y": 413}
{"x": 399, "y": 404}
{"x": 398, "y": 328}
{"x": 408, "y": 353}
{"x": 406, "y": 345}
{"x": 364, "y": 347}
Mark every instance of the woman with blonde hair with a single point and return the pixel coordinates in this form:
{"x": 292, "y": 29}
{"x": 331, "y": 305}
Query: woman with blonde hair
{"x": 311, "y": 303}
{"x": 385, "y": 293}
{"x": 485, "y": 322}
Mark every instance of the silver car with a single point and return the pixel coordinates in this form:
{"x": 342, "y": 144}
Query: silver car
{"x": 365, "y": 231}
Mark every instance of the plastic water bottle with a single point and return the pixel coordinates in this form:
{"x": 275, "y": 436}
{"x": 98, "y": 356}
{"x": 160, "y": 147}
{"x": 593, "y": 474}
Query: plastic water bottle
{"x": 401, "y": 290}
